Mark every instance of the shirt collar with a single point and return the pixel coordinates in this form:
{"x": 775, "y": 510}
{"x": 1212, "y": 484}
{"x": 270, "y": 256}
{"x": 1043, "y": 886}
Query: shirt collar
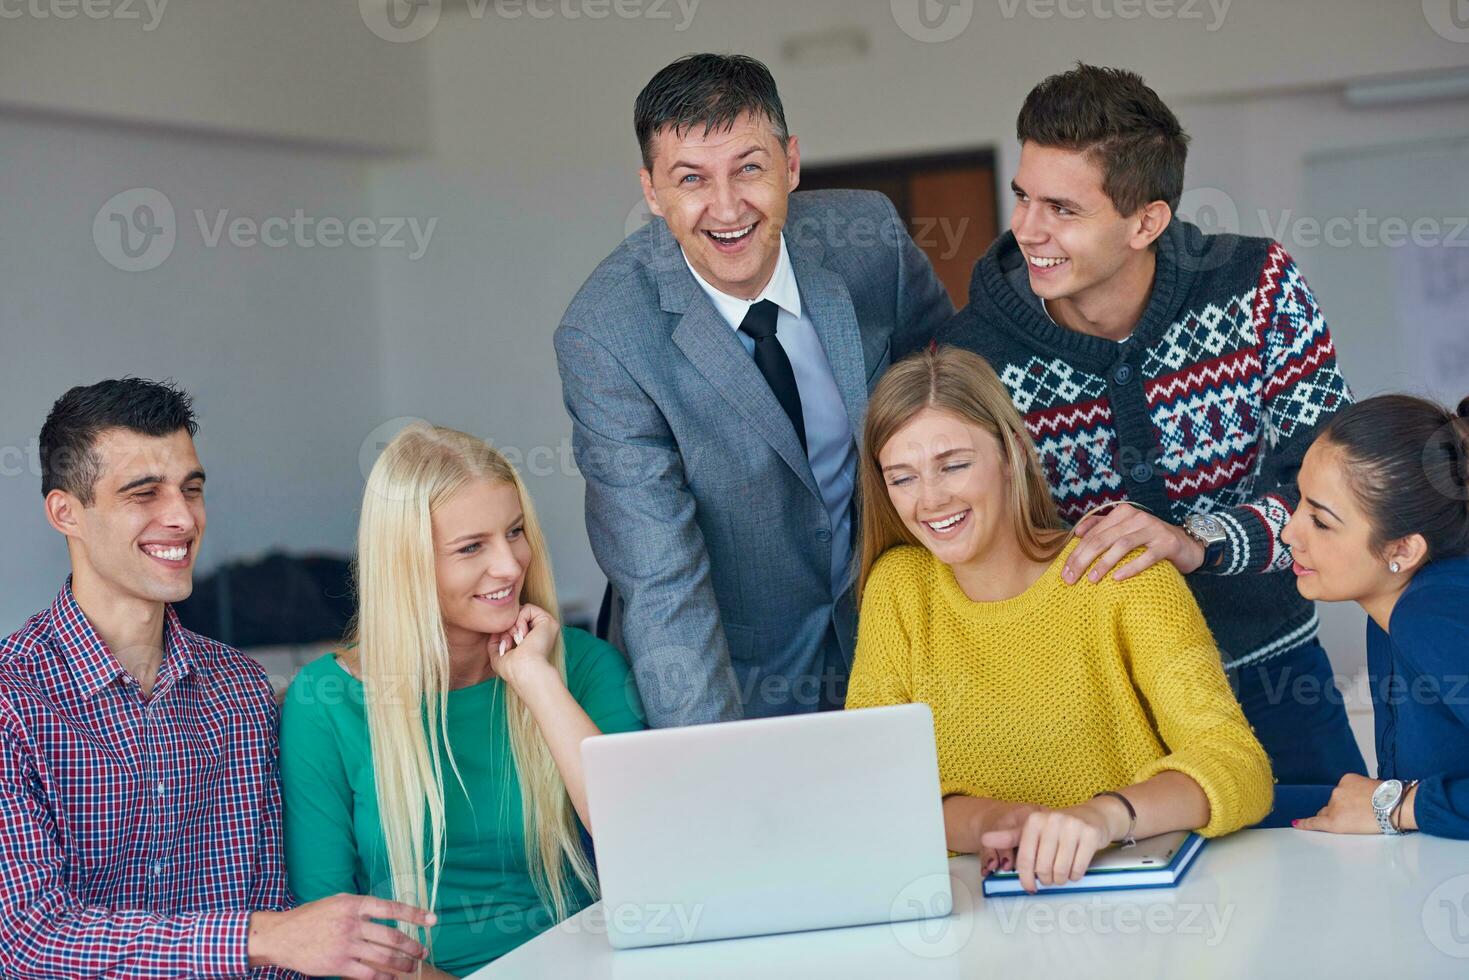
{"x": 780, "y": 290}
{"x": 92, "y": 663}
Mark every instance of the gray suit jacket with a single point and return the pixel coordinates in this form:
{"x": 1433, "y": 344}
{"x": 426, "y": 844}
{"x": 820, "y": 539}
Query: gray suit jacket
{"x": 701, "y": 506}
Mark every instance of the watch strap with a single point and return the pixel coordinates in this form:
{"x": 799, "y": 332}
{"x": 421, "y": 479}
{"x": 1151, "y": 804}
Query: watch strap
{"x": 1394, "y": 816}
{"x": 1213, "y": 548}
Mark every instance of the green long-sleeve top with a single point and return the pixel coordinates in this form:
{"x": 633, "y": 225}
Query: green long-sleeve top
{"x": 487, "y": 904}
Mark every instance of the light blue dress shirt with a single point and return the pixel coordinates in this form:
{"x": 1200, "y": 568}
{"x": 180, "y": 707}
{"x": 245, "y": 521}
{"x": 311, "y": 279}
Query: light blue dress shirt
{"x": 830, "y": 445}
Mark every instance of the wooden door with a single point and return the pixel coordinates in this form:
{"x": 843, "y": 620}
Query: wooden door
{"x": 950, "y": 202}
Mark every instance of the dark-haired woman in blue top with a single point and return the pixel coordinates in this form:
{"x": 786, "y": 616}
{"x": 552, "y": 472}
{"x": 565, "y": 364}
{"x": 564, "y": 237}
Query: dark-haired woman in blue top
{"x": 1384, "y": 521}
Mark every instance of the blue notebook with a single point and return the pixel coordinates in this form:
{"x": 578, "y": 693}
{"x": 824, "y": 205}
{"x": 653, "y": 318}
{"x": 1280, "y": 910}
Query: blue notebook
{"x": 1154, "y": 862}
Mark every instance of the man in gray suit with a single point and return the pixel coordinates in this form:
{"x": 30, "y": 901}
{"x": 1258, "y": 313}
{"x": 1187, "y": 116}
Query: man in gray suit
{"x": 716, "y": 368}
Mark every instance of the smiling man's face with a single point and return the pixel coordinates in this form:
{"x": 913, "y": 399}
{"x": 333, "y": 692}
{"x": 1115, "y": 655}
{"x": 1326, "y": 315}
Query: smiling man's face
{"x": 1072, "y": 236}
{"x": 724, "y": 195}
{"x": 140, "y": 535}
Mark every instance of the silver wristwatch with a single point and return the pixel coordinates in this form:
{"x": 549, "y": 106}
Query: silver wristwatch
{"x": 1386, "y": 799}
{"x": 1208, "y": 532}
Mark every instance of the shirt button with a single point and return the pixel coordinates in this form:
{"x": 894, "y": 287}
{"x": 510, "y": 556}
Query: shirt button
{"x": 1123, "y": 374}
{"x": 1142, "y": 472}
{"x": 160, "y": 787}
{"x": 822, "y": 534}
{"x": 158, "y": 867}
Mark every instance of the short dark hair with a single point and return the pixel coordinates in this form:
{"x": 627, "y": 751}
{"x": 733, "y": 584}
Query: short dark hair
{"x": 1407, "y": 461}
{"x": 1112, "y": 116}
{"x": 69, "y": 459}
{"x": 708, "y": 90}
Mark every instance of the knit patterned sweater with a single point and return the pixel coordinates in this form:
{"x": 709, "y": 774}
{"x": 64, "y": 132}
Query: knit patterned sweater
{"x": 1060, "y": 692}
{"x": 1209, "y": 406}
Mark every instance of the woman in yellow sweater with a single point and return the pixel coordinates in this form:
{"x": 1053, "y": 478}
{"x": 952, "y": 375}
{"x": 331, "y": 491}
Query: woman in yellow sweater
{"x": 1066, "y": 718}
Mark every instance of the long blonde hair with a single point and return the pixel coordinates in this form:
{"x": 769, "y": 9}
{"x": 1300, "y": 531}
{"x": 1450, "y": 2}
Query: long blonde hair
{"x": 964, "y": 385}
{"x": 403, "y": 660}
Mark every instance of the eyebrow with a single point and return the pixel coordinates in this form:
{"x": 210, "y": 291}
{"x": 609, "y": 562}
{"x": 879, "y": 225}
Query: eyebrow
{"x": 467, "y": 537}
{"x": 1060, "y": 202}
{"x": 520, "y": 519}
{"x": 151, "y": 478}
{"x": 1320, "y": 506}
{"x": 943, "y": 455}
{"x": 687, "y": 165}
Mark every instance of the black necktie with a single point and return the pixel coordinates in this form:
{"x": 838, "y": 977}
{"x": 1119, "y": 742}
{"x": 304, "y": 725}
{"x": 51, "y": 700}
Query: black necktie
{"x": 771, "y": 358}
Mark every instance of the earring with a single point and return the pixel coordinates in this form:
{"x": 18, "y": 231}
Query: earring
{"x": 1394, "y": 567}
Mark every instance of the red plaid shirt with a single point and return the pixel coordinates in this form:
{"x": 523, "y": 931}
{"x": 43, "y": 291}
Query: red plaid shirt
{"x": 135, "y": 834}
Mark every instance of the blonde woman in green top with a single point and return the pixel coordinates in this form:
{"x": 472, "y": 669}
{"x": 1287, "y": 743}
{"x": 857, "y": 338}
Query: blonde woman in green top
{"x": 436, "y": 758}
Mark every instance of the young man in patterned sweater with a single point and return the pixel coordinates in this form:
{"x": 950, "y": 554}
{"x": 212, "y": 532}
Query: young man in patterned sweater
{"x": 1175, "y": 376}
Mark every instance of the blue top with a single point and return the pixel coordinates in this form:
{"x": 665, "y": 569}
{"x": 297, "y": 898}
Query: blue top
{"x": 1419, "y": 673}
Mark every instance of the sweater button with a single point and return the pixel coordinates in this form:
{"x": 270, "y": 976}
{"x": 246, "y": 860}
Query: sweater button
{"x": 823, "y": 535}
{"x": 1123, "y": 374}
{"x": 1142, "y": 472}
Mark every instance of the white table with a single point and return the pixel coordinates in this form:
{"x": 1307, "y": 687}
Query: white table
{"x": 1258, "y": 904}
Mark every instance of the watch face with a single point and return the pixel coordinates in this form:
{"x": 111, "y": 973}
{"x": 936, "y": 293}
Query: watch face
{"x": 1386, "y": 794}
{"x": 1206, "y": 526}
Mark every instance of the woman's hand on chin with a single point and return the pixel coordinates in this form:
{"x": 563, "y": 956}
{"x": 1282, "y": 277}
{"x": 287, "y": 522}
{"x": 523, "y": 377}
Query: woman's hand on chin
{"x": 522, "y": 653}
{"x": 1049, "y": 847}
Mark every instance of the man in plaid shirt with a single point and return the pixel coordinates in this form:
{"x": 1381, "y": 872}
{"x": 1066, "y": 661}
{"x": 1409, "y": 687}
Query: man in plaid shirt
{"x": 139, "y": 807}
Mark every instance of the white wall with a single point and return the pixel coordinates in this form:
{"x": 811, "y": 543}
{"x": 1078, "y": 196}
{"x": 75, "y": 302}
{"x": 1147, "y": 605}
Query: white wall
{"x": 271, "y": 69}
{"x": 278, "y": 346}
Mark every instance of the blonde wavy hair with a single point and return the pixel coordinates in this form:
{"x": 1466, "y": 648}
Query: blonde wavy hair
{"x": 403, "y": 661}
{"x": 964, "y": 385}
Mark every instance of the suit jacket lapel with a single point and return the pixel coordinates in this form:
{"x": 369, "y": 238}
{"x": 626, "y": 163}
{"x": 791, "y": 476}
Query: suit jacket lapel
{"x": 827, "y": 302}
{"x": 709, "y": 343}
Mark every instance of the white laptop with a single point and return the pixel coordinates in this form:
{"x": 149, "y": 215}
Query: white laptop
{"x": 749, "y": 828}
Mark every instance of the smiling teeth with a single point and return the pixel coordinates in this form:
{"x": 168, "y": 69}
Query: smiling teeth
{"x": 497, "y": 595}
{"x": 1045, "y": 263}
{"x": 947, "y": 522}
{"x": 167, "y": 554}
{"x": 729, "y": 236}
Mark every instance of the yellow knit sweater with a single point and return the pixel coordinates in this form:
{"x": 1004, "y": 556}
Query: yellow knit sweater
{"x": 1063, "y": 691}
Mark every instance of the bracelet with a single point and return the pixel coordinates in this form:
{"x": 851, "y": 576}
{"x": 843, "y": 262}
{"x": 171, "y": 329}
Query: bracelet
{"x": 1394, "y": 814}
{"x": 1128, "y": 840}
